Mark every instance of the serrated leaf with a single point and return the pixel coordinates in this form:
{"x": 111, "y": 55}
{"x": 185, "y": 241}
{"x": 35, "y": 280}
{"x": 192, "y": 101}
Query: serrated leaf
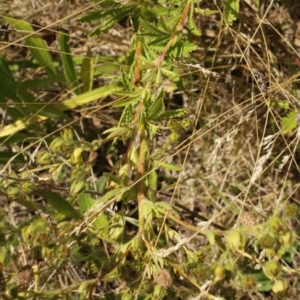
{"x": 289, "y": 122}
{"x": 147, "y": 209}
{"x": 152, "y": 30}
{"x": 152, "y": 180}
{"x": 157, "y": 107}
{"x": 231, "y": 10}
{"x": 113, "y": 16}
{"x": 127, "y": 101}
{"x": 115, "y": 192}
{"x": 173, "y": 76}
{"x": 115, "y": 132}
{"x": 164, "y": 205}
{"x": 193, "y": 27}
{"x": 127, "y": 115}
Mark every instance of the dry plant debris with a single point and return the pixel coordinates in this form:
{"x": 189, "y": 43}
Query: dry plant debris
{"x": 224, "y": 209}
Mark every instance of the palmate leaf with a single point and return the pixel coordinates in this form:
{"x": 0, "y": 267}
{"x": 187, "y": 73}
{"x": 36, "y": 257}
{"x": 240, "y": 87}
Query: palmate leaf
{"x": 115, "y": 16}
{"x": 101, "y": 14}
{"x": 151, "y": 30}
{"x": 179, "y": 50}
{"x": 172, "y": 75}
{"x": 160, "y": 40}
{"x": 184, "y": 48}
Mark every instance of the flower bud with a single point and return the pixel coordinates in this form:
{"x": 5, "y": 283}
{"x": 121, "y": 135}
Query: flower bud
{"x": 219, "y": 273}
{"x": 280, "y": 288}
{"x": 248, "y": 282}
{"x": 235, "y": 240}
{"x": 287, "y": 238}
{"x": 13, "y": 192}
{"x": 272, "y": 269}
{"x": 291, "y": 210}
{"x": 276, "y": 225}
{"x": 43, "y": 158}
{"x": 267, "y": 241}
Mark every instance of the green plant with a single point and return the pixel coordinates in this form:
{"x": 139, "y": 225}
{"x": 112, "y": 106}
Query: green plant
{"x": 112, "y": 229}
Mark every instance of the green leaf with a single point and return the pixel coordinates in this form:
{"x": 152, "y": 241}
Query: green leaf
{"x": 231, "y": 10}
{"x": 68, "y": 64}
{"x": 193, "y": 27}
{"x": 65, "y": 105}
{"x": 87, "y": 72}
{"x": 168, "y": 166}
{"x": 36, "y": 46}
{"x": 289, "y": 122}
{"x": 59, "y": 203}
{"x": 42, "y": 82}
{"x": 38, "y": 107}
{"x": 7, "y": 82}
{"x": 85, "y": 203}
{"x": 101, "y": 224}
{"x": 157, "y": 107}
{"x": 205, "y": 12}
{"x": 115, "y": 192}
{"x": 152, "y": 180}
{"x": 133, "y": 99}
{"x": 152, "y": 29}
{"x": 101, "y": 184}
{"x": 124, "y": 132}
{"x": 171, "y": 114}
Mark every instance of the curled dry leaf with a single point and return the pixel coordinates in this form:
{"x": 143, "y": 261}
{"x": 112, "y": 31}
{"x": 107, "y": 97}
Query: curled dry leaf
{"x": 163, "y": 278}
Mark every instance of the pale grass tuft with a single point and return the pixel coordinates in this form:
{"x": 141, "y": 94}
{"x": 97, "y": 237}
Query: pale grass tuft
{"x": 204, "y": 71}
{"x": 212, "y": 158}
{"x": 284, "y": 161}
{"x": 229, "y": 138}
{"x": 267, "y": 144}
